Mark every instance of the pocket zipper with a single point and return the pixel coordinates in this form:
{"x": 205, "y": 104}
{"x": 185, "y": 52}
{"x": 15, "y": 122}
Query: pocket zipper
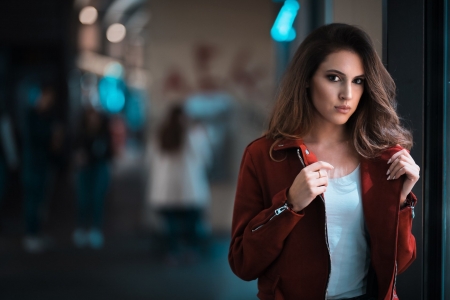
{"x": 276, "y": 213}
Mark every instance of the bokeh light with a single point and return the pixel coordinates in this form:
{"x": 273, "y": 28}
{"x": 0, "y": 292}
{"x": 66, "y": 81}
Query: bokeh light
{"x": 116, "y": 33}
{"x": 88, "y": 15}
{"x": 112, "y": 96}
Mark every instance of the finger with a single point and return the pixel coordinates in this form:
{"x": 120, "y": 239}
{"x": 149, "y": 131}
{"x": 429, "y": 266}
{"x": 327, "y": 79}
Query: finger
{"x": 319, "y": 190}
{"x": 318, "y": 174}
{"x": 393, "y": 166}
{"x": 397, "y": 161}
{"x": 396, "y": 167}
{"x": 321, "y": 173}
{"x": 394, "y": 157}
{"x": 397, "y": 154}
{"x": 401, "y": 162}
{"x": 315, "y": 182}
{"x": 397, "y": 173}
{"x": 319, "y": 165}
{"x": 409, "y": 171}
{"x": 319, "y": 182}
{"x": 408, "y": 158}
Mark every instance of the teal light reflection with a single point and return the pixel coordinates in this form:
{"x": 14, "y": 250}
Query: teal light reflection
{"x": 282, "y": 30}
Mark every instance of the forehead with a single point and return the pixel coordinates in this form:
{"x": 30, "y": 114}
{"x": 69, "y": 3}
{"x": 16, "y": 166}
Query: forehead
{"x": 345, "y": 61}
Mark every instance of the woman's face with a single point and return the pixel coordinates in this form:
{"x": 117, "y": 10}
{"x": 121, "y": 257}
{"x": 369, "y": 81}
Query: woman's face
{"x": 336, "y": 87}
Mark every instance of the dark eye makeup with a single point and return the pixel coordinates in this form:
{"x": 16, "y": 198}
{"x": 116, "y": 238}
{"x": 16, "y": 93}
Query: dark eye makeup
{"x": 335, "y": 78}
{"x": 359, "y": 80}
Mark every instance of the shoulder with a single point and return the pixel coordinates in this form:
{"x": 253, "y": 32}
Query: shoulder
{"x": 259, "y": 146}
{"x": 387, "y": 153}
{"x": 257, "y": 152}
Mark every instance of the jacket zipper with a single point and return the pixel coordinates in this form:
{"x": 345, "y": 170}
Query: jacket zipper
{"x": 326, "y": 228}
{"x": 276, "y": 213}
{"x": 395, "y": 278}
{"x": 328, "y": 245}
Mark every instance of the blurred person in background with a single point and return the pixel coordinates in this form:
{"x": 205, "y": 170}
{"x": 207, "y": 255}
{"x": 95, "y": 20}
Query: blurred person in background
{"x": 42, "y": 145}
{"x": 179, "y": 187}
{"x": 93, "y": 154}
{"x": 9, "y": 158}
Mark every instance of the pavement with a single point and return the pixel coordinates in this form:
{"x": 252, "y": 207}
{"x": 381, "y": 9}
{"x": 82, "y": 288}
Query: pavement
{"x": 129, "y": 266}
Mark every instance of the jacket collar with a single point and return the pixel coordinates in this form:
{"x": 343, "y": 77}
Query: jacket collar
{"x": 287, "y": 143}
{"x": 308, "y": 156}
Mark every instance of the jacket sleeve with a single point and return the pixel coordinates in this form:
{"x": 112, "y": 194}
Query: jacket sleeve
{"x": 406, "y": 245}
{"x": 258, "y": 234}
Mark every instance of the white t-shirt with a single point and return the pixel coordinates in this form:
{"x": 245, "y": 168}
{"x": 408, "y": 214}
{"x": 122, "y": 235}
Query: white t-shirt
{"x": 350, "y": 255}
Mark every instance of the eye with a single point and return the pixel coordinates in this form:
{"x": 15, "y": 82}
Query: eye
{"x": 358, "y": 81}
{"x": 333, "y": 78}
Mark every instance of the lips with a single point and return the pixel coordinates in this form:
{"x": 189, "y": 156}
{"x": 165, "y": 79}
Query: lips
{"x": 343, "y": 108}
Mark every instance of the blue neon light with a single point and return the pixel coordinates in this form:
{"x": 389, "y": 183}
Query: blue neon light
{"x": 282, "y": 30}
{"x": 112, "y": 96}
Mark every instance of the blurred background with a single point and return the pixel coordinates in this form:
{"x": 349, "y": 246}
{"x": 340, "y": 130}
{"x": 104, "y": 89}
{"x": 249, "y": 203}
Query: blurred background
{"x": 122, "y": 125}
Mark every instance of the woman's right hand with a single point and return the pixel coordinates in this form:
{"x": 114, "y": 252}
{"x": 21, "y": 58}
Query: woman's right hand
{"x": 310, "y": 182}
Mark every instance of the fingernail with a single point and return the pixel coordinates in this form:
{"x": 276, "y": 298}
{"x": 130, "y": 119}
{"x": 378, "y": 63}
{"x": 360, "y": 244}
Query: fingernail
{"x": 389, "y": 161}
{"x": 393, "y": 178}
{"x": 389, "y": 177}
{"x": 388, "y": 171}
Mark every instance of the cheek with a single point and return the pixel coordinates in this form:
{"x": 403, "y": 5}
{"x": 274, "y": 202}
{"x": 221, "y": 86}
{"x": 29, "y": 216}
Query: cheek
{"x": 358, "y": 102}
{"x": 360, "y": 90}
{"x": 316, "y": 96}
{"x": 357, "y": 92}
{"x": 321, "y": 94}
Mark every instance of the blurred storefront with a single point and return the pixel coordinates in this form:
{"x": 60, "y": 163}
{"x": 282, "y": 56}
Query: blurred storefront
{"x": 132, "y": 59}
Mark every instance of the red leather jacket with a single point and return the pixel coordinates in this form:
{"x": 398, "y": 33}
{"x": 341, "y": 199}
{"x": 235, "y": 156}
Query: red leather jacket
{"x": 286, "y": 251}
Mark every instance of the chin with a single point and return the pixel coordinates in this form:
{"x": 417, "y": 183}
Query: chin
{"x": 340, "y": 121}
{"x": 335, "y": 119}
{"x": 343, "y": 119}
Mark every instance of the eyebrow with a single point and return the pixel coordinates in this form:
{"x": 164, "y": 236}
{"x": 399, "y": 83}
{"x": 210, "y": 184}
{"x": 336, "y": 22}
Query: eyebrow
{"x": 339, "y": 72}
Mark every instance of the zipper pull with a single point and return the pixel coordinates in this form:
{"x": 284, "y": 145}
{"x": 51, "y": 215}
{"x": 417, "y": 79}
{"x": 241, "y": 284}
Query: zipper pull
{"x": 300, "y": 157}
{"x": 281, "y": 209}
{"x": 412, "y": 212}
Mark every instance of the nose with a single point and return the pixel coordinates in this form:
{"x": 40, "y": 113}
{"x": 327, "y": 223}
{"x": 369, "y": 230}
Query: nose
{"x": 346, "y": 91}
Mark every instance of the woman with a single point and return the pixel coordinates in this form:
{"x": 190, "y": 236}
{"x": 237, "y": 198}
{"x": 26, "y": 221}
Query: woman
{"x": 323, "y": 207}
{"x": 179, "y": 188}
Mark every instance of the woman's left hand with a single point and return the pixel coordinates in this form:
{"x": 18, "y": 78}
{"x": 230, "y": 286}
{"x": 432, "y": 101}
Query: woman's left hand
{"x": 402, "y": 163}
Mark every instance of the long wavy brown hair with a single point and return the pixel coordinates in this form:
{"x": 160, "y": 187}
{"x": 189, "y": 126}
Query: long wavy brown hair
{"x": 374, "y": 126}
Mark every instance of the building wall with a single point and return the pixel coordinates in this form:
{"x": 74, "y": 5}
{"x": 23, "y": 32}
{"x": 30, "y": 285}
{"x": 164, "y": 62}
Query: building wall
{"x": 364, "y": 13}
{"x": 176, "y": 26}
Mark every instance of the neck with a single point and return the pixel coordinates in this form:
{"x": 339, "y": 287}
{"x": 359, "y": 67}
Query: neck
{"x": 327, "y": 134}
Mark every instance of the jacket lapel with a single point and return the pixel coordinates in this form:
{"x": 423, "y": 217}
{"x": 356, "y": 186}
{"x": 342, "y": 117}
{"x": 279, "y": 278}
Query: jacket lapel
{"x": 381, "y": 206}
